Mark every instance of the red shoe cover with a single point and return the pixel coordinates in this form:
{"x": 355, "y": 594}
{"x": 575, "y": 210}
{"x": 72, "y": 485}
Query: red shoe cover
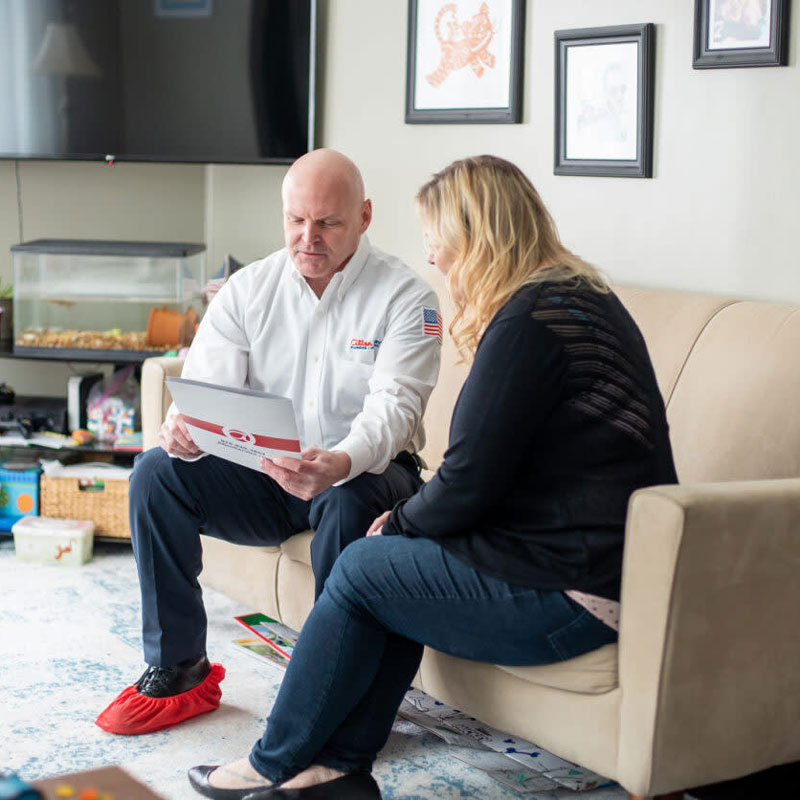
{"x": 132, "y": 713}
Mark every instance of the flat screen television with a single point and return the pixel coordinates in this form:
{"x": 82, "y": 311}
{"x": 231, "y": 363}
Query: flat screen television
{"x": 216, "y": 81}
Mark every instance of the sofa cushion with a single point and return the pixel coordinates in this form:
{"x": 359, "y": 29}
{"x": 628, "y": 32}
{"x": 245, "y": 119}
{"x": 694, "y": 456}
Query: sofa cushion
{"x": 452, "y": 375}
{"x": 298, "y": 547}
{"x": 724, "y": 424}
{"x": 591, "y": 673}
{"x": 582, "y": 728}
{"x": 670, "y": 322}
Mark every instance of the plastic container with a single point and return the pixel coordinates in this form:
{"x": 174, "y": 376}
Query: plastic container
{"x": 19, "y": 492}
{"x": 107, "y": 297}
{"x": 50, "y": 540}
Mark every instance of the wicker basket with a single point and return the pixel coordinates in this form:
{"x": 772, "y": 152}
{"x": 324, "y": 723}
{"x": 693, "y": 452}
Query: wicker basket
{"x": 78, "y": 498}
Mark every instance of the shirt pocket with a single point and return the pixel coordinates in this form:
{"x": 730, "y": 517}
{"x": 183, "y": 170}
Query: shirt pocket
{"x": 351, "y": 385}
{"x": 359, "y": 358}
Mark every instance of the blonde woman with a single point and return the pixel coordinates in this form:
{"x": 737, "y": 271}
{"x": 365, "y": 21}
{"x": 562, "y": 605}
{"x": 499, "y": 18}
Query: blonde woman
{"x": 517, "y": 539}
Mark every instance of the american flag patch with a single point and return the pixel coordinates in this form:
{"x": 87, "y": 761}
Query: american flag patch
{"x": 432, "y": 323}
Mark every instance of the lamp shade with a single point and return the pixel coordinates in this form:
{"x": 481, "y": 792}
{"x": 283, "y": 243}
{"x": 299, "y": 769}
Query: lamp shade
{"x": 63, "y": 53}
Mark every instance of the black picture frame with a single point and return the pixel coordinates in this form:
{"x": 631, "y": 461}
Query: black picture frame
{"x": 571, "y": 159}
{"x": 508, "y": 112}
{"x": 771, "y": 35}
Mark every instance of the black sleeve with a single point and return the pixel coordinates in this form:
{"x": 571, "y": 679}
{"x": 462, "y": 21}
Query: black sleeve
{"x": 516, "y": 380}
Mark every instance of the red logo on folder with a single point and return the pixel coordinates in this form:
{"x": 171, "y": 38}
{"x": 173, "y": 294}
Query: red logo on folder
{"x": 271, "y": 442}
{"x": 240, "y": 436}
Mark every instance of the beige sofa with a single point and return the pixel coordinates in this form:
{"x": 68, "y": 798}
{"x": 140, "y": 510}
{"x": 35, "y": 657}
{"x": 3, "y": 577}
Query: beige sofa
{"x": 705, "y": 682}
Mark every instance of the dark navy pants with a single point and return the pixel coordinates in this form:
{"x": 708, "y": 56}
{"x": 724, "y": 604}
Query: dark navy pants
{"x": 173, "y": 501}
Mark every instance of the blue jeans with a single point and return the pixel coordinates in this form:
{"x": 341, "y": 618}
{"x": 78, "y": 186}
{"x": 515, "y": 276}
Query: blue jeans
{"x": 172, "y": 502}
{"x": 361, "y": 646}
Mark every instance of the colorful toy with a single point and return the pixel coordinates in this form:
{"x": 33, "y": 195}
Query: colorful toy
{"x": 12, "y": 787}
{"x": 19, "y": 492}
{"x": 113, "y": 406}
{"x": 82, "y": 436}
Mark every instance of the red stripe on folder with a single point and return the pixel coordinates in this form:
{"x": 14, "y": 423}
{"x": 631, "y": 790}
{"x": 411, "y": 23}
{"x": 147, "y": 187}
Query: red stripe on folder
{"x": 272, "y": 442}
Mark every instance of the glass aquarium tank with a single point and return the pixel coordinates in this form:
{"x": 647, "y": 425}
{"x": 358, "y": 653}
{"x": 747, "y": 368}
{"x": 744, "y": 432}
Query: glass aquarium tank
{"x": 118, "y": 300}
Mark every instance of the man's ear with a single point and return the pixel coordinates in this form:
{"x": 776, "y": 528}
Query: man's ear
{"x": 366, "y": 215}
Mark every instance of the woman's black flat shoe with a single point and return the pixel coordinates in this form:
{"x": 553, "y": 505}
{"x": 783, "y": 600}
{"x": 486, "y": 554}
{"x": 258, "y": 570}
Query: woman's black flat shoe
{"x": 198, "y": 777}
{"x": 353, "y": 786}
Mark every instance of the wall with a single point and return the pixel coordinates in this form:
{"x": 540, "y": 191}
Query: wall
{"x": 720, "y": 213}
{"x": 243, "y": 211}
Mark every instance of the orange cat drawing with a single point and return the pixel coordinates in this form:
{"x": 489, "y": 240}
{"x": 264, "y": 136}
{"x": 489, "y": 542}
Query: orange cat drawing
{"x": 463, "y": 43}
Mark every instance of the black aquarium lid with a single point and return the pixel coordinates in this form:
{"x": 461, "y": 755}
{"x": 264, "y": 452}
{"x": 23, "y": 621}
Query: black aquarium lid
{"x": 100, "y": 247}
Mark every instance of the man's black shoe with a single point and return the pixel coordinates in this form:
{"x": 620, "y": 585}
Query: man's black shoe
{"x": 169, "y": 681}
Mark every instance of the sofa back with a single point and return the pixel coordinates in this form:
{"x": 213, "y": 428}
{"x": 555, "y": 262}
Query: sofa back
{"x": 729, "y": 372}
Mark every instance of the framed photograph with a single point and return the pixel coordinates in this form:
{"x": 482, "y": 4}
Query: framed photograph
{"x": 465, "y": 61}
{"x": 741, "y": 33}
{"x": 604, "y": 101}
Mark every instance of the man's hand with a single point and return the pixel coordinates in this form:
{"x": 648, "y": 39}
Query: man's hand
{"x": 377, "y": 525}
{"x": 174, "y": 437}
{"x": 312, "y": 473}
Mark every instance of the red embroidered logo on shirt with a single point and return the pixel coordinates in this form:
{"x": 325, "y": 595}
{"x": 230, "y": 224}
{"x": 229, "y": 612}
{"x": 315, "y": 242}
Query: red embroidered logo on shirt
{"x": 363, "y": 344}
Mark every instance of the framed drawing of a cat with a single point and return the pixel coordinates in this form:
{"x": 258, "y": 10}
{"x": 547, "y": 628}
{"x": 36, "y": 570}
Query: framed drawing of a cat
{"x": 465, "y": 61}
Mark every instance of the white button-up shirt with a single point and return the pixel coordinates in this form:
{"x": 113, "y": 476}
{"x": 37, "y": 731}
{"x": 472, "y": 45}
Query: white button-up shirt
{"x": 359, "y": 363}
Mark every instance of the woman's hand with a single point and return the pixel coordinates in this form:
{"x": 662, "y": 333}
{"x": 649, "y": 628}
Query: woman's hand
{"x": 377, "y": 525}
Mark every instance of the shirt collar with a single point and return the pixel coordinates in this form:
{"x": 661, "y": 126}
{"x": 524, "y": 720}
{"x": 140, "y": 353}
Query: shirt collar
{"x": 343, "y": 280}
{"x": 354, "y": 266}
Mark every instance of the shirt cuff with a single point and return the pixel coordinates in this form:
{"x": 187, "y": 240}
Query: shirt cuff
{"x": 188, "y": 459}
{"x": 391, "y": 527}
{"x": 361, "y": 456}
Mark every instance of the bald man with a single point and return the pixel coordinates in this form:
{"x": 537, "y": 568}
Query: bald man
{"x": 346, "y": 332}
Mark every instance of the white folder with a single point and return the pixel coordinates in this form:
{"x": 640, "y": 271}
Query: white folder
{"x": 239, "y": 425}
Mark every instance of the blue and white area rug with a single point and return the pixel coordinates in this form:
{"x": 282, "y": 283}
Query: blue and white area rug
{"x": 70, "y": 641}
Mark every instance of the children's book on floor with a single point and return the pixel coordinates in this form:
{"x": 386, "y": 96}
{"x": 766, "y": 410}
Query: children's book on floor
{"x": 259, "y": 649}
{"x": 279, "y": 637}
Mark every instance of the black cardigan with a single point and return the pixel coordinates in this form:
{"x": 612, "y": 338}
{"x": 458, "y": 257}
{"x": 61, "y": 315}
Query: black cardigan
{"x": 559, "y": 420}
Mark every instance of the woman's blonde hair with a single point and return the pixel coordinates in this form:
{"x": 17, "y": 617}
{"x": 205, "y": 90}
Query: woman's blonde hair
{"x": 490, "y": 215}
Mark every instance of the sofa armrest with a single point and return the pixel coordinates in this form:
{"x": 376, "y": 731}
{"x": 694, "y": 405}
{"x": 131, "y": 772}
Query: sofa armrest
{"x": 155, "y": 398}
{"x": 709, "y": 653}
